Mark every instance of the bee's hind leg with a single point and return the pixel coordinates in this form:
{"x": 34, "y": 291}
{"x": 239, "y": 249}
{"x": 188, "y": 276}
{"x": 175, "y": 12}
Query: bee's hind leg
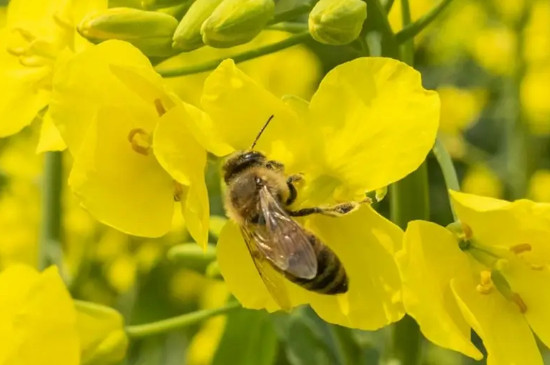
{"x": 335, "y": 210}
{"x": 293, "y": 193}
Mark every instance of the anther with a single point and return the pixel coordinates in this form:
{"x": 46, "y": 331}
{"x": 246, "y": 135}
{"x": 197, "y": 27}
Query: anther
{"x": 140, "y": 140}
{"x": 468, "y": 234}
{"x": 522, "y": 247}
{"x": 485, "y": 285}
{"x": 160, "y": 107}
{"x": 178, "y": 191}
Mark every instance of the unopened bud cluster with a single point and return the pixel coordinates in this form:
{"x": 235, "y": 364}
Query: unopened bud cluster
{"x": 153, "y": 26}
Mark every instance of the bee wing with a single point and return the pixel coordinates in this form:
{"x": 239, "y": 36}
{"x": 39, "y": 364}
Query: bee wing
{"x": 283, "y": 241}
{"x": 272, "y": 280}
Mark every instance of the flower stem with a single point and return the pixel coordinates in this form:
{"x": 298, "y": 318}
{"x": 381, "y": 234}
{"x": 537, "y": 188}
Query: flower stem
{"x": 240, "y": 57}
{"x": 291, "y": 27}
{"x": 409, "y": 200}
{"x": 50, "y": 228}
{"x": 411, "y": 30}
{"x": 447, "y": 168}
{"x": 170, "y": 324}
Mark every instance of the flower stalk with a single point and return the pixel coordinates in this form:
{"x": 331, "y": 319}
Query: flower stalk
{"x": 50, "y": 229}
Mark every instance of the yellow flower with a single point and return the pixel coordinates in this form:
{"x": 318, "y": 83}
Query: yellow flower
{"x": 351, "y": 138}
{"x": 537, "y": 37}
{"x": 37, "y": 32}
{"x": 535, "y": 88}
{"x": 38, "y": 319}
{"x": 481, "y": 180}
{"x": 133, "y": 152}
{"x": 275, "y": 72}
{"x": 538, "y": 186}
{"x": 492, "y": 276}
{"x": 494, "y": 48}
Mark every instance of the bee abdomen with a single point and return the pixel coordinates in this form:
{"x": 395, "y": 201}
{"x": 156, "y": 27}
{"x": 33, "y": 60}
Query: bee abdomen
{"x": 331, "y": 276}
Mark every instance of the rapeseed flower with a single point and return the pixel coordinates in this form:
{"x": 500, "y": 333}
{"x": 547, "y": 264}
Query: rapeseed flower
{"x": 36, "y": 35}
{"x": 491, "y": 276}
{"x": 133, "y": 152}
{"x": 351, "y": 138}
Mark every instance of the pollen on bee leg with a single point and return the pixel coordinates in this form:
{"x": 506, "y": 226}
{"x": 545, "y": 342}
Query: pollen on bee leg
{"x": 140, "y": 141}
{"x": 161, "y": 110}
{"x": 522, "y": 247}
{"x": 485, "y": 285}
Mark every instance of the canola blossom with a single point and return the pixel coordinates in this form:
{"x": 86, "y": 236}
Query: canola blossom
{"x": 406, "y": 136}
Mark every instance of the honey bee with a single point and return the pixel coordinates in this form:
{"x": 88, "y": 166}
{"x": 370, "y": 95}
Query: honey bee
{"x": 258, "y": 197}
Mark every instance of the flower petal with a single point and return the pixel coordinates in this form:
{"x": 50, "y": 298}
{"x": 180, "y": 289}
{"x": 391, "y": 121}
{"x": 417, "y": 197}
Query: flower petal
{"x": 121, "y": 187}
{"x": 239, "y": 107}
{"x": 429, "y": 260}
{"x": 365, "y": 242}
{"x": 38, "y": 319}
{"x": 50, "y": 139}
{"x": 378, "y": 121}
{"x": 85, "y": 83}
{"x": 196, "y": 210}
{"x": 533, "y": 286}
{"x": 505, "y": 333}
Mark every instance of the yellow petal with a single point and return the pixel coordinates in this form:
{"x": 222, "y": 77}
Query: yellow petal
{"x": 196, "y": 210}
{"x": 533, "y": 286}
{"x": 50, "y": 139}
{"x": 378, "y": 122}
{"x": 501, "y": 223}
{"x": 121, "y": 187}
{"x": 505, "y": 333}
{"x": 175, "y": 147}
{"x": 101, "y": 334}
{"x": 85, "y": 83}
{"x": 239, "y": 107}
{"x": 37, "y": 319}
{"x": 364, "y": 242}
{"x": 429, "y": 260}
{"x": 22, "y": 95}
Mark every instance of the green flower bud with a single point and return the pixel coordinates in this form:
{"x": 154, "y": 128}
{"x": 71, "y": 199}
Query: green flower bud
{"x": 159, "y": 4}
{"x": 188, "y": 33}
{"x": 236, "y": 21}
{"x": 149, "y": 31}
{"x": 337, "y": 22}
{"x": 101, "y": 333}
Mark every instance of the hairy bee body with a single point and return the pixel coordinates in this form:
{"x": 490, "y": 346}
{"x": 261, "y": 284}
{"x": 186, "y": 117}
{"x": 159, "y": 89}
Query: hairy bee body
{"x": 256, "y": 198}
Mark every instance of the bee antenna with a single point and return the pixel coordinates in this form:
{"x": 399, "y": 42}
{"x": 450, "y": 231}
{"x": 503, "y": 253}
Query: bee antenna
{"x": 261, "y": 131}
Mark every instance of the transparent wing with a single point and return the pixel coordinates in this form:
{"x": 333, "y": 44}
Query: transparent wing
{"x": 272, "y": 280}
{"x": 283, "y": 241}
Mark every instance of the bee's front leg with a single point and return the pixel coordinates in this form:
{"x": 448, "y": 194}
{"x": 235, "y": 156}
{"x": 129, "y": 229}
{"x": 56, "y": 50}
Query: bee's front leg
{"x": 335, "y": 210}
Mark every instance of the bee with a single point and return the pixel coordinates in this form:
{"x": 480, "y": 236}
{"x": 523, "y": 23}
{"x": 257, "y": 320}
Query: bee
{"x": 257, "y": 198}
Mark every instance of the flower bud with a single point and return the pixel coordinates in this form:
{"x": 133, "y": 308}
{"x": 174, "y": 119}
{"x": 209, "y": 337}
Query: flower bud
{"x": 235, "y": 22}
{"x": 188, "y": 33}
{"x": 101, "y": 333}
{"x": 337, "y": 22}
{"x": 149, "y": 31}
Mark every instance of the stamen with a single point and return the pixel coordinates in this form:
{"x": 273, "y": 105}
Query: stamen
{"x": 505, "y": 289}
{"x": 485, "y": 285}
{"x": 29, "y": 36}
{"x": 522, "y": 247}
{"x": 468, "y": 234}
{"x": 140, "y": 140}
{"x": 17, "y": 51}
{"x": 519, "y": 302}
{"x": 178, "y": 191}
{"x": 160, "y": 107}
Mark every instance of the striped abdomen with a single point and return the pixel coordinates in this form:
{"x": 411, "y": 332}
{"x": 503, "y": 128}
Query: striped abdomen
{"x": 331, "y": 276}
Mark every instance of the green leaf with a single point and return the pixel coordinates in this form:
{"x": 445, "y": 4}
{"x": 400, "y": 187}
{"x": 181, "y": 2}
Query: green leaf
{"x": 249, "y": 339}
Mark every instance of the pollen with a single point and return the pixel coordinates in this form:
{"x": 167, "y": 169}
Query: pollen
{"x": 485, "y": 285}
{"x": 140, "y": 141}
{"x": 522, "y": 247}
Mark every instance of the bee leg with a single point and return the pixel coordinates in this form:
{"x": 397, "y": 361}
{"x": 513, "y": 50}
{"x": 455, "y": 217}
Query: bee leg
{"x": 293, "y": 193}
{"x": 335, "y": 210}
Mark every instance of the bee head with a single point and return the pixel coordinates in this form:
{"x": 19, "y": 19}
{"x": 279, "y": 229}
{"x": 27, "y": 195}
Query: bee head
{"x": 241, "y": 161}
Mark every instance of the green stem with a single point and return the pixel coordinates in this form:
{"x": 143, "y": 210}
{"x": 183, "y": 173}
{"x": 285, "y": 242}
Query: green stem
{"x": 447, "y": 168}
{"x": 291, "y": 27}
{"x": 388, "y": 5}
{"x": 50, "y": 227}
{"x": 290, "y": 14}
{"x": 240, "y": 57}
{"x": 170, "y": 324}
{"x": 409, "y": 200}
{"x": 411, "y": 30}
